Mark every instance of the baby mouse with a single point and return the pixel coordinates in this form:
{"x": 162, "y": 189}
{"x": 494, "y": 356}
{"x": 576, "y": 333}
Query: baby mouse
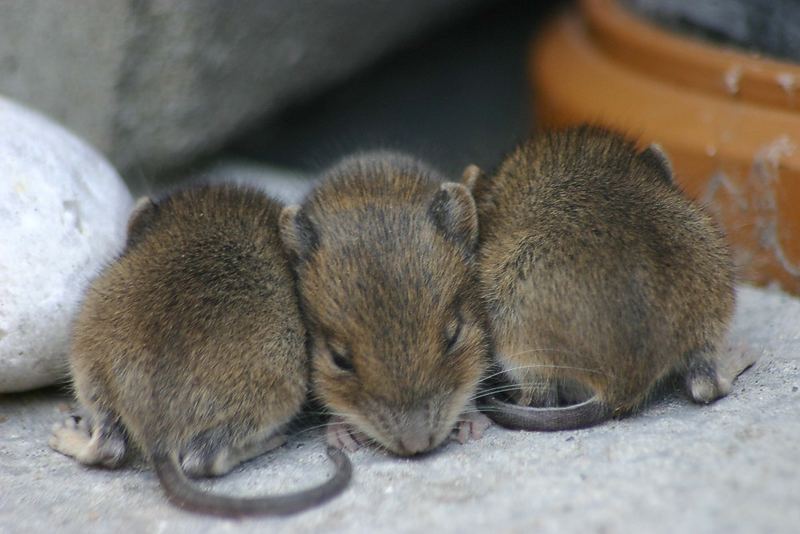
{"x": 191, "y": 347}
{"x": 384, "y": 251}
{"x": 601, "y": 279}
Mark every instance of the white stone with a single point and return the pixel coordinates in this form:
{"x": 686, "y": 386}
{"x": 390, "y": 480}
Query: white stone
{"x": 63, "y": 210}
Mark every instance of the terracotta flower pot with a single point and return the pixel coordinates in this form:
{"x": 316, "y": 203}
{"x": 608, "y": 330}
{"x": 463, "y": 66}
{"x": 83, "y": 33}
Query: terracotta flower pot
{"x": 730, "y": 121}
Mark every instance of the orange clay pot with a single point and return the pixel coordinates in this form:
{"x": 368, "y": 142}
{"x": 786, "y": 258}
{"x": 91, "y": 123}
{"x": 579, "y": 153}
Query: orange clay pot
{"x": 729, "y": 121}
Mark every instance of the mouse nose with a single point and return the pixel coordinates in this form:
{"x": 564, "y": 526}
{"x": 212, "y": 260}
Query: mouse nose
{"x": 414, "y": 443}
{"x": 416, "y": 436}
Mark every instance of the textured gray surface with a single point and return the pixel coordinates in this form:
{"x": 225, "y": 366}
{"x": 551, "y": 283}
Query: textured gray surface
{"x": 768, "y": 27}
{"x": 458, "y": 97}
{"x": 153, "y": 83}
{"x": 729, "y": 467}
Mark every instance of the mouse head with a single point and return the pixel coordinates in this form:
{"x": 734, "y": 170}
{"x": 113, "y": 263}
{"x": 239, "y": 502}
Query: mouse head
{"x": 385, "y": 260}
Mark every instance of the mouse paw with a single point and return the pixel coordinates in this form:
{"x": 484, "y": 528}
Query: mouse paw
{"x": 711, "y": 374}
{"x": 341, "y": 435}
{"x": 104, "y": 445}
{"x": 471, "y": 425}
{"x": 704, "y": 382}
{"x": 706, "y": 388}
{"x": 71, "y": 436}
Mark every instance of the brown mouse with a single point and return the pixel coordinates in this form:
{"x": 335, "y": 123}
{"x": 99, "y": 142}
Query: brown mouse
{"x": 190, "y": 346}
{"x": 601, "y": 279}
{"x": 384, "y": 251}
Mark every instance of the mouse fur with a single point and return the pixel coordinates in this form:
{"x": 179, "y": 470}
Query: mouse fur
{"x": 384, "y": 250}
{"x": 601, "y": 279}
{"x": 190, "y": 347}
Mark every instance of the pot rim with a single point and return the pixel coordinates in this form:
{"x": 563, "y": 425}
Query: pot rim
{"x": 691, "y": 62}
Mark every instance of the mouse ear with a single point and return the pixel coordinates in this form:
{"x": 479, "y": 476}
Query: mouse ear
{"x": 297, "y": 233}
{"x": 657, "y": 159}
{"x": 143, "y": 213}
{"x": 454, "y": 214}
{"x": 470, "y": 177}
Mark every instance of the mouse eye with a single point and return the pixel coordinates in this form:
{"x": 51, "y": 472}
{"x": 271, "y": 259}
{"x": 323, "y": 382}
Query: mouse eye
{"x": 340, "y": 358}
{"x": 452, "y": 333}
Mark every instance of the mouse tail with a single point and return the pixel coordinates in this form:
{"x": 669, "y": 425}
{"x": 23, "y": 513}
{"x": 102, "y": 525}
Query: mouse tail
{"x": 182, "y": 493}
{"x": 585, "y": 414}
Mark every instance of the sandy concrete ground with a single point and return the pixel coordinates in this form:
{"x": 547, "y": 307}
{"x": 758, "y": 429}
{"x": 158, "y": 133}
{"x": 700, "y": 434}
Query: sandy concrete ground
{"x": 733, "y": 466}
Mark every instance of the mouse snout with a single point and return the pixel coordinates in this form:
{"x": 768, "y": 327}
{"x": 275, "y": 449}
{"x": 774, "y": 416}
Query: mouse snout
{"x": 416, "y": 436}
{"x": 415, "y": 442}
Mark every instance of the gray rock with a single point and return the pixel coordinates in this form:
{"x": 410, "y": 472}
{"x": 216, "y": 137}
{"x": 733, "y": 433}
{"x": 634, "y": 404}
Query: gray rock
{"x": 460, "y": 97}
{"x": 728, "y": 467}
{"x": 62, "y": 215}
{"x": 152, "y": 84}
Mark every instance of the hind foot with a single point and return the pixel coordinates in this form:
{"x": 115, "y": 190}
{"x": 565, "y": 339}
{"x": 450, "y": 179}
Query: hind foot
{"x": 70, "y": 437}
{"x": 709, "y": 378}
{"x": 341, "y": 435}
{"x": 470, "y": 425}
{"x": 74, "y": 438}
{"x": 736, "y": 359}
{"x": 705, "y": 385}
{"x": 210, "y": 454}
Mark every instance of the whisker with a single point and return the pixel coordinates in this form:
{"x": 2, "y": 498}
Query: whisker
{"x": 545, "y": 349}
{"x": 541, "y": 349}
{"x": 492, "y": 394}
{"x": 511, "y": 387}
{"x": 377, "y": 445}
{"x": 327, "y": 412}
{"x": 474, "y": 410}
{"x": 567, "y": 367}
{"x": 311, "y": 428}
{"x": 488, "y": 377}
{"x": 489, "y": 409}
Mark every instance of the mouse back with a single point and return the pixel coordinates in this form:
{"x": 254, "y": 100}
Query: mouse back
{"x": 197, "y": 321}
{"x": 592, "y": 257}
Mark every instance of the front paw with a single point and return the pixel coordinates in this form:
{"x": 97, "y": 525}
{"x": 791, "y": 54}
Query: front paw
{"x": 470, "y": 425}
{"x": 341, "y": 435}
